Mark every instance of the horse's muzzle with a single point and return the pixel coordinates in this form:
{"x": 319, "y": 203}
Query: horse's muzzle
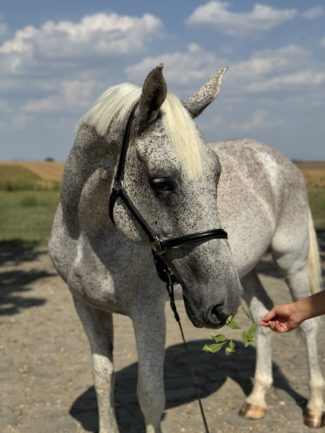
{"x": 214, "y": 318}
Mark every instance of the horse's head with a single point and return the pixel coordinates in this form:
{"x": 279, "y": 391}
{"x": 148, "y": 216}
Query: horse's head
{"x": 171, "y": 177}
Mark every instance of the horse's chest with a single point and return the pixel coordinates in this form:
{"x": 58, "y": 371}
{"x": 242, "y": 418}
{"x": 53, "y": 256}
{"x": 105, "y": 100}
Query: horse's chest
{"x": 89, "y": 280}
{"x": 105, "y": 280}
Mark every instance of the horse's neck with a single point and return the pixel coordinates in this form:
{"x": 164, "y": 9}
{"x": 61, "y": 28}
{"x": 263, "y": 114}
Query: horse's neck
{"x": 93, "y": 211}
{"x": 86, "y": 183}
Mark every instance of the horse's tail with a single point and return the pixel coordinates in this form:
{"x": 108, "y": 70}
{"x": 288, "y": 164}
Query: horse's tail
{"x": 314, "y": 266}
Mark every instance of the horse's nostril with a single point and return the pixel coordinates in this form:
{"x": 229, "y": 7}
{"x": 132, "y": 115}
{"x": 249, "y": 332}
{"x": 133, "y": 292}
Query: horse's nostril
{"x": 214, "y": 310}
{"x": 217, "y": 315}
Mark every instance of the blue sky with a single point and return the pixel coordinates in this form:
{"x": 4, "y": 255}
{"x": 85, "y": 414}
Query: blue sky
{"x": 56, "y": 58}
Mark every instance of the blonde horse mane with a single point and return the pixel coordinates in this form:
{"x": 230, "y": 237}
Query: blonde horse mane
{"x": 179, "y": 126}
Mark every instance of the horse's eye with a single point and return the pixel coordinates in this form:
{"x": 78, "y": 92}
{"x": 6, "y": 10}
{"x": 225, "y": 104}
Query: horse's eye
{"x": 162, "y": 184}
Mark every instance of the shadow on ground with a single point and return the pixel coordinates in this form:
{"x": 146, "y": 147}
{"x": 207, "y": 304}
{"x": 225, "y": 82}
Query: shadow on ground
{"x": 19, "y": 251}
{"x": 211, "y": 375}
{"x": 14, "y": 289}
{"x": 14, "y": 284}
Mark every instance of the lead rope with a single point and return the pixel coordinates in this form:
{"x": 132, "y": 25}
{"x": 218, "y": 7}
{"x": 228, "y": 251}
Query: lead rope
{"x": 170, "y": 290}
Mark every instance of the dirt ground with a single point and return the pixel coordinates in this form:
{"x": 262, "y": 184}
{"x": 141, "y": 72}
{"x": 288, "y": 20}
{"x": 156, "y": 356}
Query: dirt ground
{"x": 46, "y": 382}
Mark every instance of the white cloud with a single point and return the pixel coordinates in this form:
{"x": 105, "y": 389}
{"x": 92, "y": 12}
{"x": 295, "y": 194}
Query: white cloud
{"x": 264, "y": 71}
{"x": 259, "y": 120}
{"x": 36, "y": 58}
{"x": 73, "y": 94}
{"x": 284, "y": 69}
{"x": 260, "y": 18}
{"x": 322, "y": 42}
{"x": 95, "y": 34}
{"x": 314, "y": 12}
{"x": 63, "y": 66}
{"x": 265, "y": 62}
{"x": 302, "y": 78}
{"x": 183, "y": 68}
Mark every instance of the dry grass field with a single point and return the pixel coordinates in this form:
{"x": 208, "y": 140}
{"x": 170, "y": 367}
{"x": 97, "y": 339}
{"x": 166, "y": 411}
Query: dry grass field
{"x": 45, "y": 170}
{"x": 48, "y": 171}
{"x": 31, "y": 175}
{"x": 314, "y": 173}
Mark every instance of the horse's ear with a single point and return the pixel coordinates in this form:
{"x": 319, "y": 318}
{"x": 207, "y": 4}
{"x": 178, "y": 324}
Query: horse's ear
{"x": 206, "y": 94}
{"x": 154, "y": 92}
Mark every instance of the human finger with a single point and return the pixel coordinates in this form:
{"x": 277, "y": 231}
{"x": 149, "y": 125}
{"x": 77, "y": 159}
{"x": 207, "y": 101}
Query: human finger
{"x": 269, "y": 316}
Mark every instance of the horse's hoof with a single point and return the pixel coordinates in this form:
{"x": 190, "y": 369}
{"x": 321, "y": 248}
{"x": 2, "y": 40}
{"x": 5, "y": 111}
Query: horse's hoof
{"x": 314, "y": 418}
{"x": 252, "y": 411}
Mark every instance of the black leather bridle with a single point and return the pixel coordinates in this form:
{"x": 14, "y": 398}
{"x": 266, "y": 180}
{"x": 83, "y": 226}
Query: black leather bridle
{"x": 159, "y": 245}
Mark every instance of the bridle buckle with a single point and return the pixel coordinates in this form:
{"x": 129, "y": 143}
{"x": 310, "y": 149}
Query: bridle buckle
{"x": 156, "y": 245}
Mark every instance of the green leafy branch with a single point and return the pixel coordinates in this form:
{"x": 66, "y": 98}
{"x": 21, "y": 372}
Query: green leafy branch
{"x": 223, "y": 342}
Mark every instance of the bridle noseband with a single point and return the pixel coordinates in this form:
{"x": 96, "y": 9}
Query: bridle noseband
{"x": 159, "y": 245}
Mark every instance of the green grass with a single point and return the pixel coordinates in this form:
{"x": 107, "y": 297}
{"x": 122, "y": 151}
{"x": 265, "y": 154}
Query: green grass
{"x": 27, "y": 216}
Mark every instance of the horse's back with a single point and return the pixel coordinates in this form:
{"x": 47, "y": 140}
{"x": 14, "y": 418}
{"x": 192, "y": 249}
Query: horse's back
{"x": 259, "y": 189}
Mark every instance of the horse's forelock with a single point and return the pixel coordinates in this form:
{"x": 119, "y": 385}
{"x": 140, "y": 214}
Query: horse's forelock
{"x": 183, "y": 135}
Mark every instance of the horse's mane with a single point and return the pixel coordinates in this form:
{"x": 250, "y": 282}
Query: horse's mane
{"x": 179, "y": 126}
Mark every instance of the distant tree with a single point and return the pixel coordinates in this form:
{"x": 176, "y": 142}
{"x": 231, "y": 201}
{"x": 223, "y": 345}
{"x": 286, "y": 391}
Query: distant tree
{"x": 49, "y": 159}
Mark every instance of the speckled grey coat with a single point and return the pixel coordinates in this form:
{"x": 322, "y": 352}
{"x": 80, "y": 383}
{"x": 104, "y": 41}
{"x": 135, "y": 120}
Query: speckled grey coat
{"x": 259, "y": 197}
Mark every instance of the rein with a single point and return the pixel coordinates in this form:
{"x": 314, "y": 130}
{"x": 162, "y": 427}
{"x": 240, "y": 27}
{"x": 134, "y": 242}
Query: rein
{"x": 159, "y": 245}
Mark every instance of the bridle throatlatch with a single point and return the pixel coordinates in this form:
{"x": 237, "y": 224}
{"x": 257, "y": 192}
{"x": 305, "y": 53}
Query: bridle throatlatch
{"x": 159, "y": 245}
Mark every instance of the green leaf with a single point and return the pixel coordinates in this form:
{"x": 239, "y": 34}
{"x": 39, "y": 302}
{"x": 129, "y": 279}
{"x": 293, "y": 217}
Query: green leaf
{"x": 214, "y": 347}
{"x": 232, "y": 324}
{"x": 229, "y": 319}
{"x": 249, "y": 335}
{"x": 230, "y": 348}
{"x": 220, "y": 338}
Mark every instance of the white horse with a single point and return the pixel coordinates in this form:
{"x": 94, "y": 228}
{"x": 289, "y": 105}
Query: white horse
{"x": 174, "y": 182}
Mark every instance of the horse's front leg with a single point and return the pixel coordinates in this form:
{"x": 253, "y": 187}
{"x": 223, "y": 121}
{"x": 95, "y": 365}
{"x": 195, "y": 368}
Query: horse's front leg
{"x": 259, "y": 303}
{"x": 99, "y": 329}
{"x": 149, "y": 325}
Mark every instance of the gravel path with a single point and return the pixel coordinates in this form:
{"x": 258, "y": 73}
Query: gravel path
{"x": 46, "y": 382}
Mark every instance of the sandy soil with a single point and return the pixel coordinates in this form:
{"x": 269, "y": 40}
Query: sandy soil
{"x": 46, "y": 382}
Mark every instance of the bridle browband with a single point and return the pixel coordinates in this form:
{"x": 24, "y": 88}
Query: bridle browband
{"x": 159, "y": 245}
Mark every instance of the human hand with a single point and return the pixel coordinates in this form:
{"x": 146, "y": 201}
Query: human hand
{"x": 283, "y": 318}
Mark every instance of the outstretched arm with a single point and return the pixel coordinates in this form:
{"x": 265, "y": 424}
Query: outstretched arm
{"x": 286, "y": 317}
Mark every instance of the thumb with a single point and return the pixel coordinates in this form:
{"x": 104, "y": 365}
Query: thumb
{"x": 269, "y": 316}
